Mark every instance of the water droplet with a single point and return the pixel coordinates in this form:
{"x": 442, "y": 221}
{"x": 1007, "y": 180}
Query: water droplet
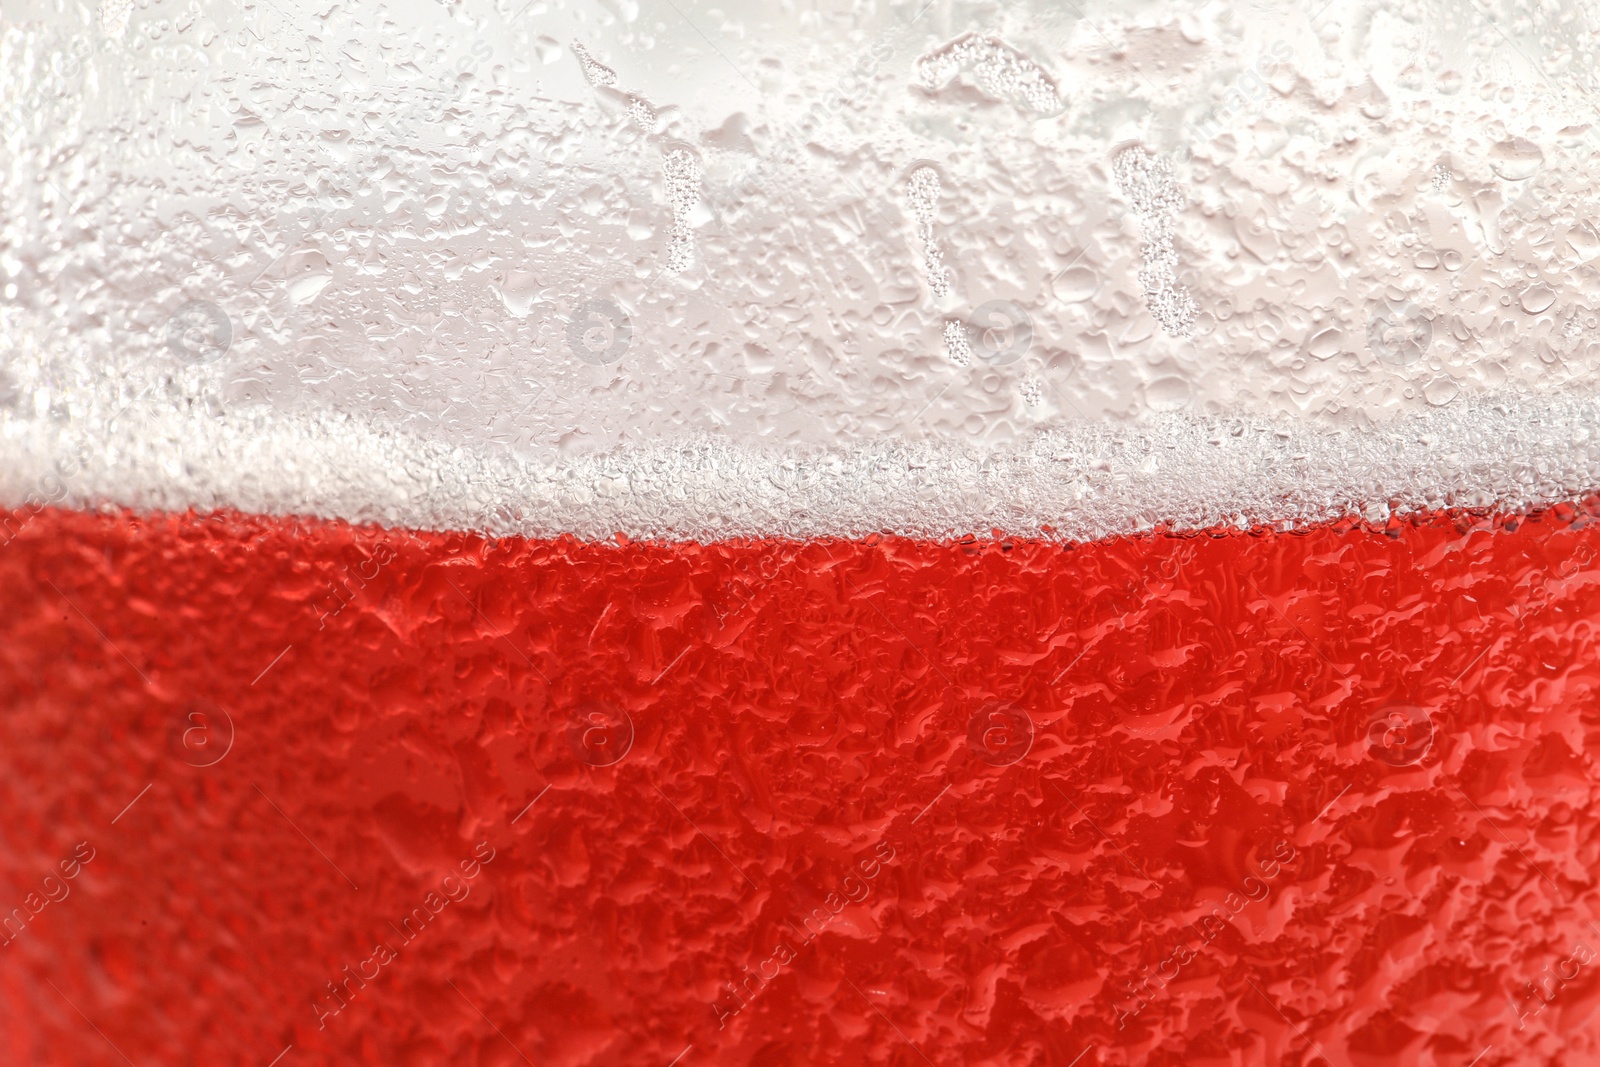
{"x": 1515, "y": 160}
{"x": 1449, "y": 82}
{"x": 548, "y": 49}
{"x": 304, "y": 290}
{"x": 1537, "y": 298}
{"x": 1327, "y": 344}
{"x": 518, "y": 292}
{"x": 1075, "y": 284}
{"x": 1375, "y": 104}
{"x": 1584, "y": 240}
{"x": 1441, "y": 391}
{"x": 1167, "y": 394}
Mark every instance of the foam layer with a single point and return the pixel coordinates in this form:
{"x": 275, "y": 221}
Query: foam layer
{"x": 1080, "y": 483}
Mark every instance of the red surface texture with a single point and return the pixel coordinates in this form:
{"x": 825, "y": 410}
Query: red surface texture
{"x": 337, "y": 795}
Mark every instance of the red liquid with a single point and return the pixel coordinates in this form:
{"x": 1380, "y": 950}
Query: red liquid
{"x": 1007, "y": 783}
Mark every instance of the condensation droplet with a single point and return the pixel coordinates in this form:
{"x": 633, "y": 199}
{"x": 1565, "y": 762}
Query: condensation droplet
{"x": 1537, "y": 298}
{"x": 1075, "y": 284}
{"x": 1168, "y": 394}
{"x": 1515, "y": 160}
{"x": 303, "y": 290}
{"x": 1374, "y": 101}
{"x": 1327, "y": 343}
{"x": 1441, "y": 391}
{"x": 548, "y": 49}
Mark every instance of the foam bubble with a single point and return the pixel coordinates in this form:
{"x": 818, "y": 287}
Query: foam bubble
{"x": 1147, "y": 181}
{"x": 997, "y": 68}
{"x": 922, "y": 194}
{"x": 598, "y": 73}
